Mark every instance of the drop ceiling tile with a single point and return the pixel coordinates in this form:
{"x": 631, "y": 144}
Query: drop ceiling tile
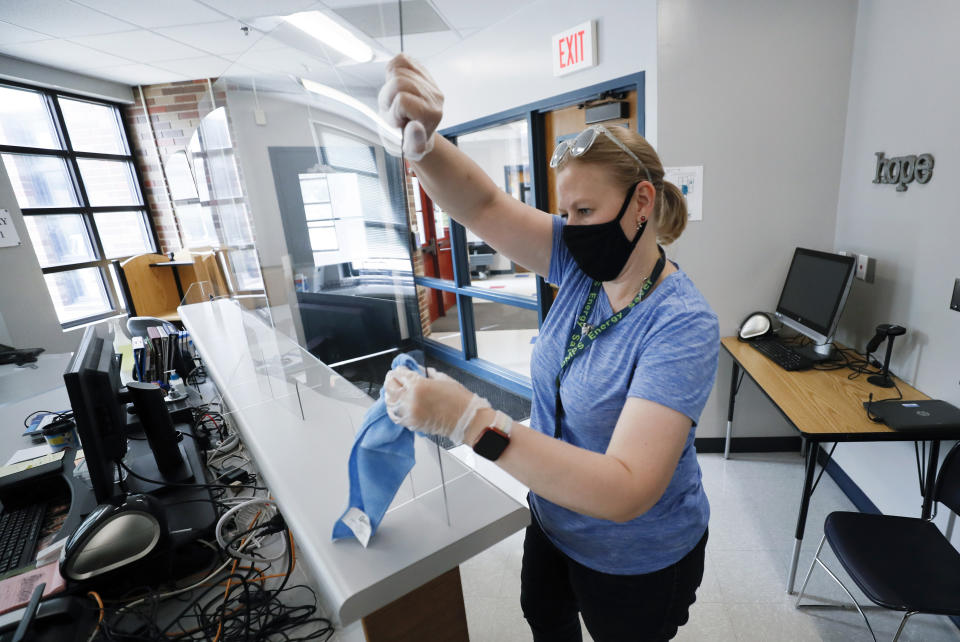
{"x": 200, "y": 67}
{"x": 370, "y": 74}
{"x": 63, "y": 54}
{"x": 477, "y": 15}
{"x": 139, "y": 46}
{"x": 283, "y": 61}
{"x": 12, "y": 34}
{"x": 60, "y": 18}
{"x": 155, "y": 13}
{"x": 421, "y": 45}
{"x": 139, "y": 74}
{"x": 258, "y": 8}
{"x": 222, "y": 37}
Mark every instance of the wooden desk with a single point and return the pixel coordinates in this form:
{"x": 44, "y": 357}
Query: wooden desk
{"x": 823, "y": 406}
{"x": 175, "y": 265}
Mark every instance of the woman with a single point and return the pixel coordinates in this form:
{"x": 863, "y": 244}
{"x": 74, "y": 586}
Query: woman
{"x": 621, "y": 370}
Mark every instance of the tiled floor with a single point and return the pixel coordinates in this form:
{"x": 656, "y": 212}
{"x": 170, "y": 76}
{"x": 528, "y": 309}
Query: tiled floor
{"x": 754, "y": 501}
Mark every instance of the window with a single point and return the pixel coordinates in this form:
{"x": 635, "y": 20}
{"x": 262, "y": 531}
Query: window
{"x": 208, "y": 199}
{"x": 72, "y": 172}
{"x": 319, "y": 210}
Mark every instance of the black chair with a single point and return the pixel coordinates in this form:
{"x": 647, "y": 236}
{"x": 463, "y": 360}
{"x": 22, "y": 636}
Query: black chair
{"x": 900, "y": 563}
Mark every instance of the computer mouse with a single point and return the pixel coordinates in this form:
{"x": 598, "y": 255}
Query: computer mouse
{"x": 113, "y": 536}
{"x": 755, "y": 326}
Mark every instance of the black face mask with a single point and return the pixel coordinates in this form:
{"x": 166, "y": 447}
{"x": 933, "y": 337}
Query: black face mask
{"x": 602, "y": 250}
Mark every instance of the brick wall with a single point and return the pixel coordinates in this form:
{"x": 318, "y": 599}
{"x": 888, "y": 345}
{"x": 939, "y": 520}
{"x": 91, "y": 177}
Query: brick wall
{"x": 174, "y": 113}
{"x": 423, "y": 294}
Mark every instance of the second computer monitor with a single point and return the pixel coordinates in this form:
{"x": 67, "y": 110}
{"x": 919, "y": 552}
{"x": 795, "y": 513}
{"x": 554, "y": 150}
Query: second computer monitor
{"x": 814, "y": 294}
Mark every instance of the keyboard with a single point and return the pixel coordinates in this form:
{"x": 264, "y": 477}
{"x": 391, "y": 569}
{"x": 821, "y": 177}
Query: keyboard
{"x": 19, "y": 532}
{"x": 782, "y": 355}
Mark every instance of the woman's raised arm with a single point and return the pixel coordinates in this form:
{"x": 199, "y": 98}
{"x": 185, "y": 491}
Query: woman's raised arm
{"x": 411, "y": 100}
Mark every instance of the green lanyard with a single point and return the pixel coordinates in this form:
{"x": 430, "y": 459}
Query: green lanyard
{"x": 583, "y": 335}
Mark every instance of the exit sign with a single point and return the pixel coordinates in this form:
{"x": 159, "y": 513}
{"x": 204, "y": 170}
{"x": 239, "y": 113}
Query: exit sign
{"x": 575, "y": 49}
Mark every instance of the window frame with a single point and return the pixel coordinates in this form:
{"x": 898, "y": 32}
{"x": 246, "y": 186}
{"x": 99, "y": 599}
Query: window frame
{"x": 117, "y": 300}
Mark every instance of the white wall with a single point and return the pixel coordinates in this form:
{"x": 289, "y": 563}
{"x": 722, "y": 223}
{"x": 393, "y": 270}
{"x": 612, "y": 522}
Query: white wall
{"x": 26, "y": 308}
{"x": 904, "y": 97}
{"x": 756, "y": 92}
{"x": 509, "y": 64}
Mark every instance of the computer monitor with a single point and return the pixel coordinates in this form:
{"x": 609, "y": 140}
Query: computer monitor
{"x": 92, "y": 379}
{"x": 99, "y": 403}
{"x": 813, "y": 297}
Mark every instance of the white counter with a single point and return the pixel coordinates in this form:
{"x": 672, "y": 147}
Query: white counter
{"x": 298, "y": 418}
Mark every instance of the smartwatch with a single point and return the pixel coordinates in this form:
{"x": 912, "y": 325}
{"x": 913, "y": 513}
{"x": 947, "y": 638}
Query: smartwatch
{"x": 494, "y": 439}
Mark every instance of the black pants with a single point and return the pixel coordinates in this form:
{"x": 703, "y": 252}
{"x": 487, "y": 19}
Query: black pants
{"x": 554, "y": 588}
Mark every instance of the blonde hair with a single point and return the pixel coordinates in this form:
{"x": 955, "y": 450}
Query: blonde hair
{"x": 670, "y": 207}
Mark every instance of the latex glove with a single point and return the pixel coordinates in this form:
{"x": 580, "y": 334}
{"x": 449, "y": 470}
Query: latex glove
{"x": 436, "y": 405}
{"x": 411, "y": 100}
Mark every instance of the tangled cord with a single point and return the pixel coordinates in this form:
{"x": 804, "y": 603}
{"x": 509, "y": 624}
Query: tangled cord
{"x": 234, "y": 604}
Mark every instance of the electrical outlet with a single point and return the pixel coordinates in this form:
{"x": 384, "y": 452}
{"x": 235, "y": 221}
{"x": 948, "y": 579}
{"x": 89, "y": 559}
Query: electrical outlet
{"x": 866, "y": 268}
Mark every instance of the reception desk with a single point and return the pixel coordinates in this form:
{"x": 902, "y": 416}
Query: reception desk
{"x": 298, "y": 418}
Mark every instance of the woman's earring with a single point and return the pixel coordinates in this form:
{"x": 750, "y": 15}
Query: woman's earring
{"x": 643, "y": 219}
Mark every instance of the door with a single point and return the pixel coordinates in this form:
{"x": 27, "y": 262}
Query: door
{"x": 563, "y": 123}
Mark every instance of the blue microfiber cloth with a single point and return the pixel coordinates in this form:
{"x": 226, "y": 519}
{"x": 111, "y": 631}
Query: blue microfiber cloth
{"x": 381, "y": 457}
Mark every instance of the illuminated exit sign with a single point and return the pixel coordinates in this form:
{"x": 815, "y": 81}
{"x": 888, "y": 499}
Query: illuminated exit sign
{"x": 575, "y": 49}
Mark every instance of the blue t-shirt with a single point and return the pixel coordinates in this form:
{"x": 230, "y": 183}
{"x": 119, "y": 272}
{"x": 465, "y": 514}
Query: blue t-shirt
{"x": 664, "y": 350}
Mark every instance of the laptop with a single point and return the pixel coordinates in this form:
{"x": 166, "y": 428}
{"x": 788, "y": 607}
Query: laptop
{"x": 930, "y": 414}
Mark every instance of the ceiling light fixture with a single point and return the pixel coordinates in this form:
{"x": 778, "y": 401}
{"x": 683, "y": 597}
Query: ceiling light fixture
{"x": 322, "y": 27}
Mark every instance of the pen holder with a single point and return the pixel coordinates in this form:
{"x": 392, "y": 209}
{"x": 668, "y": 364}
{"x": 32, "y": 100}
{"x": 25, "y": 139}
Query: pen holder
{"x": 61, "y": 434}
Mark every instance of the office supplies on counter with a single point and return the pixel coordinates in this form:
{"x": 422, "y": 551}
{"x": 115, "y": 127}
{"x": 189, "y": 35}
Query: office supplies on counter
{"x": 15, "y": 592}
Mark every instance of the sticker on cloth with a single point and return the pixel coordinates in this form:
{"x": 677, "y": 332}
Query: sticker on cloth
{"x": 358, "y": 522}
{"x": 381, "y": 457}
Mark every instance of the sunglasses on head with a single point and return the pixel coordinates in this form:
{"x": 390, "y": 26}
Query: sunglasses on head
{"x": 579, "y": 144}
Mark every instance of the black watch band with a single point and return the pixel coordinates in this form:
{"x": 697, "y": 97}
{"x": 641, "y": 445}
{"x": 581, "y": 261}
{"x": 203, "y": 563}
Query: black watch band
{"x": 494, "y": 439}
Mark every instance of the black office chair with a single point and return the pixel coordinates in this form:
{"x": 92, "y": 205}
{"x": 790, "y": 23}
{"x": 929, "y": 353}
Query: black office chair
{"x": 900, "y": 563}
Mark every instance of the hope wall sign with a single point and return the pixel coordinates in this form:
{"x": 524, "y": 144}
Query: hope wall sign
{"x": 902, "y": 170}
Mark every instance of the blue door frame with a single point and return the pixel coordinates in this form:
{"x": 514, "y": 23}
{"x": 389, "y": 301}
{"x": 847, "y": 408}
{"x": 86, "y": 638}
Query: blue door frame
{"x": 533, "y": 113}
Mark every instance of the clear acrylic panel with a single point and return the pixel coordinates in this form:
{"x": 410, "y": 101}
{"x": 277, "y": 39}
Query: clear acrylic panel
{"x": 40, "y": 181}
{"x": 291, "y": 145}
{"x": 59, "y": 239}
{"x": 274, "y": 377}
{"x": 25, "y": 119}
{"x": 92, "y": 127}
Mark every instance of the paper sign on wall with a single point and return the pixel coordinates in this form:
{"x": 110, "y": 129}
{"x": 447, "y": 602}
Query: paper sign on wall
{"x": 8, "y": 233}
{"x": 690, "y": 182}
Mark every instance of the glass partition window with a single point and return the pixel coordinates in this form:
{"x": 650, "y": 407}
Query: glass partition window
{"x": 74, "y": 179}
{"x": 505, "y": 334}
{"x": 503, "y": 153}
